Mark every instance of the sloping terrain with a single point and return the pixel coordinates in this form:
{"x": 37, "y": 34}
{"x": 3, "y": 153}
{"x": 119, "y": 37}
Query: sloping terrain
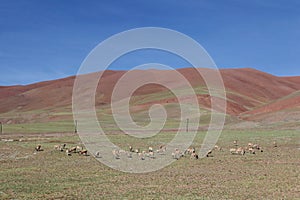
{"x": 251, "y": 94}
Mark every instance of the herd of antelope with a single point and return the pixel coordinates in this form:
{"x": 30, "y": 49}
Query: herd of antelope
{"x": 69, "y": 150}
{"x": 251, "y": 148}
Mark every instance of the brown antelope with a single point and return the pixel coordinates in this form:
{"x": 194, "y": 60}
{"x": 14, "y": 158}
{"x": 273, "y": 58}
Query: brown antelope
{"x": 83, "y": 152}
{"x": 72, "y": 150}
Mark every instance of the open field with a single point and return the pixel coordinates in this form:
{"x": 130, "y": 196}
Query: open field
{"x": 50, "y": 174}
{"x": 261, "y": 108}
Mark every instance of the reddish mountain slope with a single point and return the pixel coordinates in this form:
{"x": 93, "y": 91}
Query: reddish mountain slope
{"x": 247, "y": 89}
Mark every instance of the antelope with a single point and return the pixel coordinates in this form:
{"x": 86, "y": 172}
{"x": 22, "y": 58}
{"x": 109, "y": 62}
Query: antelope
{"x": 130, "y": 149}
{"x": 59, "y": 147}
{"x": 98, "y": 155}
{"x": 56, "y": 147}
{"x": 141, "y": 156}
{"x": 78, "y": 149}
{"x": 194, "y": 156}
{"x": 162, "y": 149}
{"x": 150, "y": 149}
{"x": 151, "y": 155}
{"x": 68, "y": 153}
{"x": 232, "y": 151}
{"x": 240, "y": 150}
{"x": 72, "y": 150}
{"x": 218, "y": 148}
{"x": 208, "y": 153}
{"x": 251, "y": 150}
{"x": 237, "y": 151}
{"x": 274, "y": 144}
{"x": 176, "y": 155}
{"x": 38, "y": 148}
{"x": 83, "y": 152}
{"x": 190, "y": 150}
{"x": 235, "y": 142}
{"x": 116, "y": 154}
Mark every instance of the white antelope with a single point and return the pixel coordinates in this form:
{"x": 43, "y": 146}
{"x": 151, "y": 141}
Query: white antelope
{"x": 116, "y": 154}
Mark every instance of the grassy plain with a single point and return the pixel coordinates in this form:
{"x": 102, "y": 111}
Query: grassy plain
{"x": 49, "y": 174}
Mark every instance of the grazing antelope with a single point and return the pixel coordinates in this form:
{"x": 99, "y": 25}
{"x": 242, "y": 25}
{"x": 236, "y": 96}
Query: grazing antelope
{"x": 68, "y": 153}
{"x": 235, "y": 142}
{"x": 251, "y": 150}
{"x": 83, "y": 152}
{"x": 217, "y": 148}
{"x": 38, "y": 148}
{"x": 78, "y": 149}
{"x": 116, "y": 154}
{"x": 130, "y": 149}
{"x": 122, "y": 151}
{"x": 232, "y": 151}
{"x": 177, "y": 154}
{"x": 151, "y": 155}
{"x": 150, "y": 149}
{"x": 136, "y": 150}
{"x": 194, "y": 156}
{"x": 72, "y": 150}
{"x": 190, "y": 151}
{"x": 141, "y": 155}
{"x": 274, "y": 144}
{"x": 256, "y": 146}
{"x": 208, "y": 154}
{"x": 56, "y": 147}
{"x": 98, "y": 155}
{"x": 162, "y": 149}
{"x": 60, "y": 147}
{"x": 240, "y": 151}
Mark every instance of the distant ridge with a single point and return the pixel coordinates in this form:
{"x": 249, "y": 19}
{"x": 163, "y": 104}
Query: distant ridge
{"x": 250, "y": 92}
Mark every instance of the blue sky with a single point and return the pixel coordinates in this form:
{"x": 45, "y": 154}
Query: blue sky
{"x": 43, "y": 40}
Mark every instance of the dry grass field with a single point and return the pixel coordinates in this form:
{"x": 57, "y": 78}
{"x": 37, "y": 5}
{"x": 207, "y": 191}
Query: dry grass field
{"x": 50, "y": 174}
